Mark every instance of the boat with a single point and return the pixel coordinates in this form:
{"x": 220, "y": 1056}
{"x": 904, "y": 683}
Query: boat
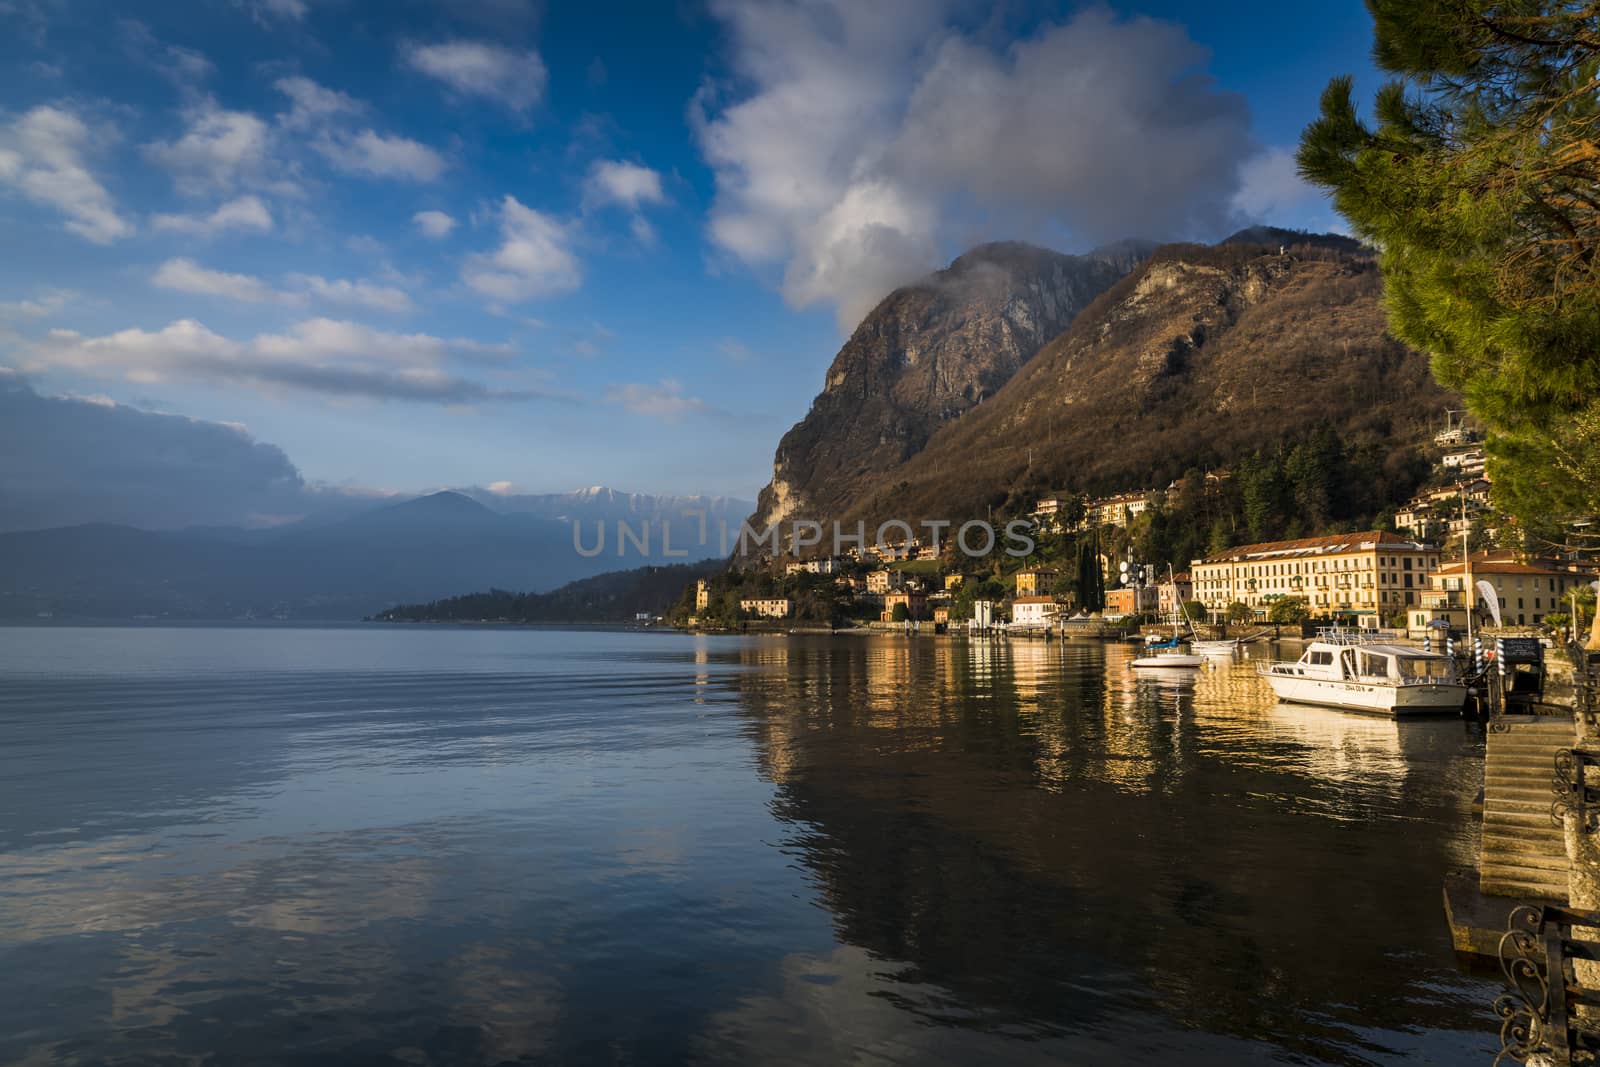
{"x": 1166, "y": 655}
{"x": 1215, "y": 648}
{"x": 1344, "y": 670}
{"x": 1165, "y": 659}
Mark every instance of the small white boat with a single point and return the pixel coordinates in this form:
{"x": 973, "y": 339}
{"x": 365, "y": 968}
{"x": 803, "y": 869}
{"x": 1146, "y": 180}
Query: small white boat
{"x": 1215, "y": 648}
{"x": 1166, "y": 656}
{"x": 1343, "y": 670}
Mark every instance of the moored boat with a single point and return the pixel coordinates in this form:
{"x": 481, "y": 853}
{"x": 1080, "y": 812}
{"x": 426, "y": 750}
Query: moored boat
{"x": 1166, "y": 655}
{"x": 1343, "y": 670}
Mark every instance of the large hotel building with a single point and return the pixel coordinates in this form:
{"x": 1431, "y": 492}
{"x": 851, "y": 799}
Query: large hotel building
{"x": 1374, "y": 573}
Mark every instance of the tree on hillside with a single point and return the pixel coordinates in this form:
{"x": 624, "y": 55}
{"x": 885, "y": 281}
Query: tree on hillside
{"x": 1480, "y": 183}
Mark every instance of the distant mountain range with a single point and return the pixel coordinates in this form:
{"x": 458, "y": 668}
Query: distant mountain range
{"x": 417, "y": 550}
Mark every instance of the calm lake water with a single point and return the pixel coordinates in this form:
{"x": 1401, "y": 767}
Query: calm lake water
{"x": 432, "y": 845}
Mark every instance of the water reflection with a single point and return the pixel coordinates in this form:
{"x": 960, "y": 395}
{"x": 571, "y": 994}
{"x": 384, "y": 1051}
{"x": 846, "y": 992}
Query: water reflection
{"x": 1062, "y": 841}
{"x": 478, "y": 846}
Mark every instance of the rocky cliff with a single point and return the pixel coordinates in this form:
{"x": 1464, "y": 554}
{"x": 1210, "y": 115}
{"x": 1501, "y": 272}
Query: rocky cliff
{"x": 925, "y": 355}
{"x": 1197, "y": 358}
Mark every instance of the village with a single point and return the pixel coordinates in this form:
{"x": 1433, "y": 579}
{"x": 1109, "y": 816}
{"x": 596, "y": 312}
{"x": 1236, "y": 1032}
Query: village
{"x": 1417, "y": 578}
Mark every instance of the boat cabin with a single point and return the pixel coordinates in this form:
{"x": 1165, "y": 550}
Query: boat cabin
{"x": 1351, "y": 661}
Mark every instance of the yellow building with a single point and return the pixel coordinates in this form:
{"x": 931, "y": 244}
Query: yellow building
{"x": 884, "y": 581}
{"x": 702, "y": 595}
{"x": 1036, "y": 582}
{"x": 916, "y": 605}
{"x": 952, "y": 582}
{"x": 1373, "y": 573}
{"x": 1526, "y": 592}
{"x": 769, "y": 608}
{"x": 1121, "y": 509}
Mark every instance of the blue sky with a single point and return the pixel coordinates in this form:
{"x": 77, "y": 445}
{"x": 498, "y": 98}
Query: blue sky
{"x": 423, "y": 244}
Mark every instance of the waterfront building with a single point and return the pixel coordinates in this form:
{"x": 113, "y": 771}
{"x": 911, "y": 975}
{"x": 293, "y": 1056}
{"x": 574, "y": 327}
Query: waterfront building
{"x": 702, "y": 595}
{"x": 1033, "y": 611}
{"x": 1171, "y": 594}
{"x": 1369, "y": 574}
{"x": 915, "y": 603}
{"x": 766, "y": 607}
{"x": 1132, "y": 600}
{"x": 1525, "y": 590}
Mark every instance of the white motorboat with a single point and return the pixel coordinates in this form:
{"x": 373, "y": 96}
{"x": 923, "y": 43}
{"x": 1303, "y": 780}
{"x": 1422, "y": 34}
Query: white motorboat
{"x": 1343, "y": 670}
{"x": 1215, "y": 648}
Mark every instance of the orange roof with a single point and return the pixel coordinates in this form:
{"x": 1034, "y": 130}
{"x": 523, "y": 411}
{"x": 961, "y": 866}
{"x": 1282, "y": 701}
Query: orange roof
{"x": 1502, "y": 566}
{"x": 1318, "y": 545}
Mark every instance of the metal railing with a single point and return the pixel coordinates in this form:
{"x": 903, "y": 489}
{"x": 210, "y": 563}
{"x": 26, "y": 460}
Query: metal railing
{"x": 1538, "y": 1012}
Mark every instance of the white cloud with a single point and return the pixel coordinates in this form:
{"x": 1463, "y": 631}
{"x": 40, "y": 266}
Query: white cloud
{"x": 326, "y": 356}
{"x": 42, "y": 157}
{"x": 187, "y": 276}
{"x": 219, "y": 149}
{"x": 240, "y": 213}
{"x": 876, "y": 136}
{"x": 312, "y": 104}
{"x": 434, "y": 224}
{"x": 507, "y": 76}
{"x": 533, "y": 259}
{"x": 45, "y": 304}
{"x": 358, "y": 293}
{"x": 664, "y": 400}
{"x": 379, "y": 156}
{"x": 1272, "y": 191}
{"x": 182, "y": 65}
{"x": 613, "y": 181}
{"x": 629, "y": 185}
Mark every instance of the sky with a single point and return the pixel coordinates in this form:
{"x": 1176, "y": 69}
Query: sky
{"x": 303, "y": 248}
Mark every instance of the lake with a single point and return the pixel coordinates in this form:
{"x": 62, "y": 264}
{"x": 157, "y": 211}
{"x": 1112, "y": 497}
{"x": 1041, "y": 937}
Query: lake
{"x": 430, "y": 845}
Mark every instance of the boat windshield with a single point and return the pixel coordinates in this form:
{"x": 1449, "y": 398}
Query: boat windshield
{"x": 1434, "y": 669}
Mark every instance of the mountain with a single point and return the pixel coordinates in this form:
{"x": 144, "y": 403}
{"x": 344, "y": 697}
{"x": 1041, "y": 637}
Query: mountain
{"x": 1197, "y": 359}
{"x": 417, "y": 550}
{"x": 598, "y": 503}
{"x": 926, "y": 354}
{"x": 618, "y": 596}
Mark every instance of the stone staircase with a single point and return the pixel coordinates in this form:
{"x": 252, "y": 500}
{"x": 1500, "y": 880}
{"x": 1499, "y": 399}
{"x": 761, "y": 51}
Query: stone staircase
{"x": 1524, "y": 854}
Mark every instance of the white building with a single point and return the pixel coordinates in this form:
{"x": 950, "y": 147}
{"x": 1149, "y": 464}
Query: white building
{"x": 824, "y": 565}
{"x": 1033, "y": 611}
{"x": 766, "y": 607}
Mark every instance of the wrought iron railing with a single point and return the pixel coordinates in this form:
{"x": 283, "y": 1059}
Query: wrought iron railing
{"x": 1577, "y": 788}
{"x": 1539, "y": 1012}
{"x": 1585, "y": 687}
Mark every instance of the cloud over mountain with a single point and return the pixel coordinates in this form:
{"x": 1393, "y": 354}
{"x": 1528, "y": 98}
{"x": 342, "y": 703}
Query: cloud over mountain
{"x": 68, "y": 460}
{"x": 863, "y": 140}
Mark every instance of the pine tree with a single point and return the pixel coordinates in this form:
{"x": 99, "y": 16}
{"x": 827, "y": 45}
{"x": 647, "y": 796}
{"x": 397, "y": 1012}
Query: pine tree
{"x": 1480, "y": 185}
